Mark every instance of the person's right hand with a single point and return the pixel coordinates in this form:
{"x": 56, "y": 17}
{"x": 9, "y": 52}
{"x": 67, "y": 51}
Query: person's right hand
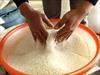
{"x": 35, "y": 20}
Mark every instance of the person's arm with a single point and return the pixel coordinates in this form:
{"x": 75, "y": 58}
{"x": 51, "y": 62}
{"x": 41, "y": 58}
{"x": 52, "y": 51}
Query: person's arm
{"x": 71, "y": 20}
{"x": 35, "y": 20}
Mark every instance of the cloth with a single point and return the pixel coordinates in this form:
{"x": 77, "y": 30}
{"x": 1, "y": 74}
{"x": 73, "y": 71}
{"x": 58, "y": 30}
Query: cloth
{"x": 4, "y": 3}
{"x": 19, "y": 2}
{"x": 1, "y": 21}
{"x": 52, "y": 8}
{"x": 11, "y": 15}
{"x": 93, "y": 1}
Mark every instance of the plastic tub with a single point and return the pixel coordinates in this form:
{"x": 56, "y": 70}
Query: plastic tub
{"x": 85, "y": 32}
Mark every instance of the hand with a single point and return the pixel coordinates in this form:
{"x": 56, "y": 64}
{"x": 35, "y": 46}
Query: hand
{"x": 71, "y": 20}
{"x": 35, "y": 20}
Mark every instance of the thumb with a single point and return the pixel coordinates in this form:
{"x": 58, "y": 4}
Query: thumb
{"x": 59, "y": 24}
{"x": 47, "y": 21}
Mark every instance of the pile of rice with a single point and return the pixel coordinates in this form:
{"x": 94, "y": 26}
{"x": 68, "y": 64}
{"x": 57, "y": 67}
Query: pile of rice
{"x": 30, "y": 57}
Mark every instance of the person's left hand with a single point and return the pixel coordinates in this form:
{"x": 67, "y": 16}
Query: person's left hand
{"x": 70, "y": 21}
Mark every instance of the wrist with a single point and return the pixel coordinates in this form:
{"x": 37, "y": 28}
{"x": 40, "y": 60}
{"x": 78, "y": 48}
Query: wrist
{"x": 86, "y": 7}
{"x": 25, "y": 7}
{"x": 27, "y": 11}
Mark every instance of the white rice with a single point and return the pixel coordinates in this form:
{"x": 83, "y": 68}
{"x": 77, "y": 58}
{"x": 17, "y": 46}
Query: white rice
{"x": 56, "y": 59}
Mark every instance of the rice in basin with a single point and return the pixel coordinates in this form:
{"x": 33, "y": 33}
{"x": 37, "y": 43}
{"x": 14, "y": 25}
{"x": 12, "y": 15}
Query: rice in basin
{"x": 31, "y": 58}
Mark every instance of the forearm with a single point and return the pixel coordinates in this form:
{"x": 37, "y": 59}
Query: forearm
{"x": 85, "y": 8}
{"x": 26, "y": 10}
{"x": 24, "y": 7}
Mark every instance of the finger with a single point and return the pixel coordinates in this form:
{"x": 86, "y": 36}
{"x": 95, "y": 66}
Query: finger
{"x": 41, "y": 37}
{"x": 44, "y": 33}
{"x": 61, "y": 31}
{"x": 33, "y": 33}
{"x": 66, "y": 28}
{"x": 64, "y": 36}
{"x": 60, "y": 23}
{"x": 44, "y": 40}
{"x": 69, "y": 34}
{"x": 59, "y": 37}
{"x": 46, "y": 20}
{"x": 37, "y": 35}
